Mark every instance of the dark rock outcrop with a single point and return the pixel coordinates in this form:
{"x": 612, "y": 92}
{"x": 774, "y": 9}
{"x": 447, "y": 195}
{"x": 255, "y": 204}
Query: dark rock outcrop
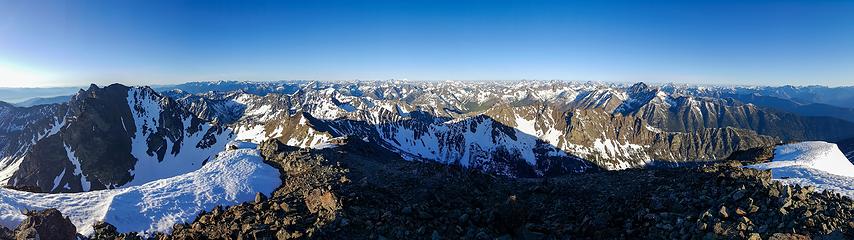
{"x": 103, "y": 230}
{"x": 587, "y": 126}
{"x": 6, "y": 234}
{"x": 753, "y": 155}
{"x": 46, "y": 224}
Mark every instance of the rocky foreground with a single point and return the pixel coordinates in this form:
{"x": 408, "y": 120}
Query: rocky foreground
{"x": 357, "y": 191}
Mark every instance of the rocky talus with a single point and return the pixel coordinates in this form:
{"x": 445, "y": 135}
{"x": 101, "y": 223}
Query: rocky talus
{"x": 357, "y": 191}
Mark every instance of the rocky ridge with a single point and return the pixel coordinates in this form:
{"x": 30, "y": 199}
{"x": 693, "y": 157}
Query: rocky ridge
{"x": 573, "y": 127}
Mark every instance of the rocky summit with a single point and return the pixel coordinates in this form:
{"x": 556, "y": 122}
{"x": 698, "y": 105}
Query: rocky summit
{"x": 355, "y": 190}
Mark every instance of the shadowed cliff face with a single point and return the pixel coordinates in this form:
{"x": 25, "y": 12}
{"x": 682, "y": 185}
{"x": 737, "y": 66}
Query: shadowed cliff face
{"x": 20, "y": 128}
{"x": 847, "y": 147}
{"x": 96, "y": 140}
{"x": 689, "y": 113}
{"x": 91, "y": 149}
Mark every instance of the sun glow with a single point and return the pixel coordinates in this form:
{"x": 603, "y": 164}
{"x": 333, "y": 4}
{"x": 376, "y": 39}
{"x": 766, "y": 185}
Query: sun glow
{"x": 18, "y": 76}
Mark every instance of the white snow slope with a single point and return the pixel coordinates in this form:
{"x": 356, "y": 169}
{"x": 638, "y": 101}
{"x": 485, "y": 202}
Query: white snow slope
{"x": 818, "y": 164}
{"x": 232, "y": 178}
{"x": 146, "y": 110}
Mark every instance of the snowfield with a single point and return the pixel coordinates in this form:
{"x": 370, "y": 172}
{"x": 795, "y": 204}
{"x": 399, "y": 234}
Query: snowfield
{"x": 818, "y": 164}
{"x": 231, "y": 178}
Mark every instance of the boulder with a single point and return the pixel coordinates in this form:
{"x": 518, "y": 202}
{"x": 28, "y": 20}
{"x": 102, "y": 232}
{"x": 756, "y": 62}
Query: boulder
{"x": 6, "y": 233}
{"x": 788, "y": 236}
{"x": 46, "y": 224}
{"x": 104, "y": 230}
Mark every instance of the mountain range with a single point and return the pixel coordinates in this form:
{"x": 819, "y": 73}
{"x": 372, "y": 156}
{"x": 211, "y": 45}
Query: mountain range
{"x": 118, "y": 136}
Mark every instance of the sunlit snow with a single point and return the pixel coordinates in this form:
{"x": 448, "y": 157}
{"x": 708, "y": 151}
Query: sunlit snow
{"x": 816, "y": 163}
{"x": 233, "y": 177}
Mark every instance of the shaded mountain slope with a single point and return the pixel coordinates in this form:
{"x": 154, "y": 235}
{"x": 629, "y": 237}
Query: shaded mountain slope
{"x": 103, "y": 138}
{"x": 685, "y": 113}
{"x": 43, "y": 101}
{"x": 847, "y": 148}
{"x": 808, "y": 109}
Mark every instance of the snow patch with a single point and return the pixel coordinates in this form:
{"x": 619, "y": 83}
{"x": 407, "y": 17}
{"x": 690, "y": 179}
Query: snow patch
{"x": 232, "y": 178}
{"x": 816, "y": 155}
{"x": 57, "y": 180}
{"x": 260, "y": 110}
{"x": 815, "y": 163}
{"x": 324, "y": 145}
{"x": 7, "y": 172}
{"x": 85, "y": 184}
{"x": 242, "y": 145}
{"x": 526, "y": 126}
{"x": 652, "y": 129}
{"x": 255, "y": 133}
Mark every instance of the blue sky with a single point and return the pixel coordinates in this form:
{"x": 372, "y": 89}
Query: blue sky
{"x": 73, "y": 43}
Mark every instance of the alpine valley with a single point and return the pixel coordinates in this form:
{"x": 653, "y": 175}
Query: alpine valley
{"x": 115, "y": 142}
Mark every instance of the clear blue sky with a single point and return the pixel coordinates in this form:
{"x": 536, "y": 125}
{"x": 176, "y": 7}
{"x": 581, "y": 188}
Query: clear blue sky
{"x": 67, "y": 42}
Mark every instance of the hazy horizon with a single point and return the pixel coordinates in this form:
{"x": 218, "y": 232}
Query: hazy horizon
{"x": 767, "y": 43}
{"x": 652, "y": 83}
